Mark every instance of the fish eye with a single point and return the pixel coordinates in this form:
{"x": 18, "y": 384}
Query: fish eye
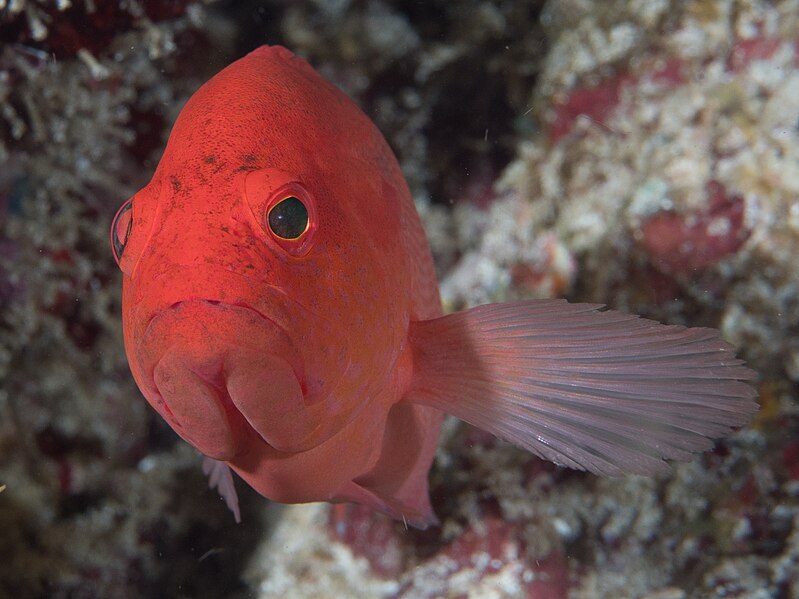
{"x": 120, "y": 229}
{"x": 282, "y": 209}
{"x": 288, "y": 219}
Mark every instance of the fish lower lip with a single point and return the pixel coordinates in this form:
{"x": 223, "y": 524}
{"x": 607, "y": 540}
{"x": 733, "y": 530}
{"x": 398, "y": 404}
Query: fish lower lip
{"x": 226, "y": 373}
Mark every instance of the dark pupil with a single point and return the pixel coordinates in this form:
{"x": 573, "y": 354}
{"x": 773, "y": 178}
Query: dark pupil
{"x": 289, "y": 218}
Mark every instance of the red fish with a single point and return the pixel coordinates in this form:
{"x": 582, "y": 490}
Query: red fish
{"x": 281, "y": 313}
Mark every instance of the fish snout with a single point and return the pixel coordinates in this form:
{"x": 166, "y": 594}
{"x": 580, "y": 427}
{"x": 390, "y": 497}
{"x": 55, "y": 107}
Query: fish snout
{"x": 224, "y": 376}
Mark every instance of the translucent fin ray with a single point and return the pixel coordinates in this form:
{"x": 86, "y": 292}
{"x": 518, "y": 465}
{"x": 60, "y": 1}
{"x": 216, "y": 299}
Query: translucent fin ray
{"x": 583, "y": 387}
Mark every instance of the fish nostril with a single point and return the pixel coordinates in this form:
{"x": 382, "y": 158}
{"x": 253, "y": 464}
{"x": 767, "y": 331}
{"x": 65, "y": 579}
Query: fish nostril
{"x": 213, "y": 302}
{"x": 175, "y": 305}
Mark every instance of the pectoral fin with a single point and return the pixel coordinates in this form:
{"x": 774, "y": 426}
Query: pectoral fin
{"x": 587, "y": 388}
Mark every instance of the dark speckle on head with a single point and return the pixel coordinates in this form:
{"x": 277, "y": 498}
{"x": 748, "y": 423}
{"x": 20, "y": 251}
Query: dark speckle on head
{"x": 249, "y": 158}
{"x": 210, "y": 159}
{"x": 176, "y": 185}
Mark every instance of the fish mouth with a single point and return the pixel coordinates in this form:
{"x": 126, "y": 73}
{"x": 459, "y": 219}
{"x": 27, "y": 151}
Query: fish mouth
{"x": 222, "y": 374}
{"x": 211, "y": 302}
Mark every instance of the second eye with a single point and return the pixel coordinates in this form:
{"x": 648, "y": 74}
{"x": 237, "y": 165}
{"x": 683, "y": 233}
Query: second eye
{"x": 288, "y": 219}
{"x": 120, "y": 229}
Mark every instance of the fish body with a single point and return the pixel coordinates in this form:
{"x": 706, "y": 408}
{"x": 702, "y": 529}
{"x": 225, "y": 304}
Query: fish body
{"x": 281, "y": 312}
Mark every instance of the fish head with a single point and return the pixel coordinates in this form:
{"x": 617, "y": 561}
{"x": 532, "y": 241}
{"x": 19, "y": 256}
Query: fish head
{"x": 265, "y": 287}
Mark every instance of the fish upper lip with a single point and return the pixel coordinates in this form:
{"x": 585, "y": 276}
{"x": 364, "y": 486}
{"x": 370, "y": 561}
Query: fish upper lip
{"x": 285, "y": 297}
{"x": 211, "y": 302}
{"x": 241, "y": 306}
{"x": 223, "y": 303}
